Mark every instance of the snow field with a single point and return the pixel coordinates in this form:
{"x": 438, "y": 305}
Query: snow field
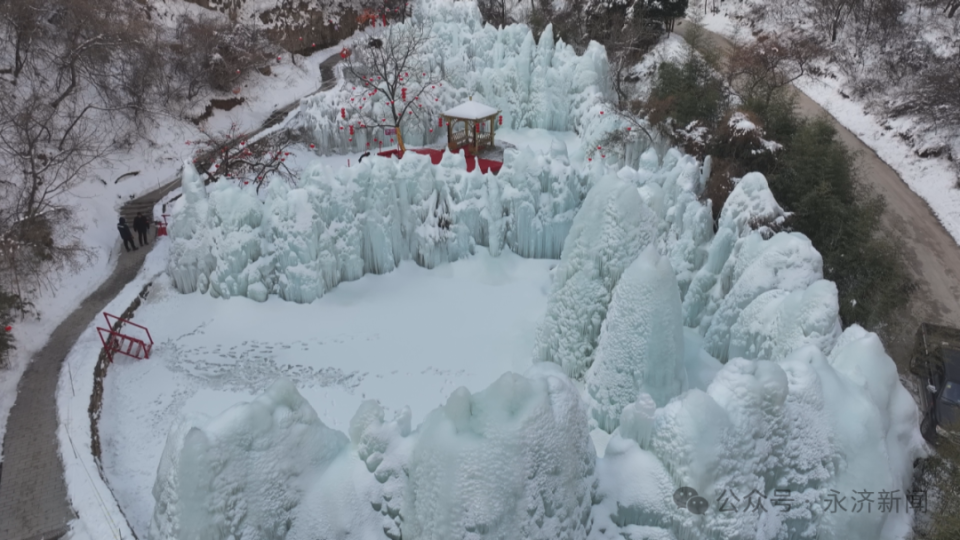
{"x": 392, "y": 337}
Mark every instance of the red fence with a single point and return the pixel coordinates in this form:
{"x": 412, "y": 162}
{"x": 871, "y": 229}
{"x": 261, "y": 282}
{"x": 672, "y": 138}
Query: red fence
{"x": 436, "y": 154}
{"x": 116, "y": 342}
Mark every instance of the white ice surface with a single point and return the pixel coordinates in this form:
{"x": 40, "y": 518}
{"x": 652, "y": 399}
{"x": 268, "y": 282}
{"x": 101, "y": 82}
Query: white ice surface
{"x": 389, "y": 337}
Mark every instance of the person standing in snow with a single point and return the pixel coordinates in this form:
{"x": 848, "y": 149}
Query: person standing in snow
{"x": 141, "y": 225}
{"x": 126, "y": 235}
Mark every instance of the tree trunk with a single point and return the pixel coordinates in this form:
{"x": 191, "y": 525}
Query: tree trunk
{"x": 400, "y": 140}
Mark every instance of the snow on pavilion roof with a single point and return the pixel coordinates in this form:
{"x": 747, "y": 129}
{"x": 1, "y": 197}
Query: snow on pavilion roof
{"x": 472, "y": 110}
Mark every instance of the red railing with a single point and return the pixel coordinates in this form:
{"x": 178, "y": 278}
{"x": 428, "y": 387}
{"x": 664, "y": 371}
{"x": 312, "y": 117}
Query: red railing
{"x": 116, "y": 342}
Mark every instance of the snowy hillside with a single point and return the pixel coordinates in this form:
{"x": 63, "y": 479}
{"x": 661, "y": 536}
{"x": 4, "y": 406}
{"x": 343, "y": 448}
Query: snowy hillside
{"x": 571, "y": 348}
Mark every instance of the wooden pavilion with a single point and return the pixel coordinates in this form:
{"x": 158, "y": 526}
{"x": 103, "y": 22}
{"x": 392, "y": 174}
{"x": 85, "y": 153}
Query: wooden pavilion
{"x": 470, "y": 125}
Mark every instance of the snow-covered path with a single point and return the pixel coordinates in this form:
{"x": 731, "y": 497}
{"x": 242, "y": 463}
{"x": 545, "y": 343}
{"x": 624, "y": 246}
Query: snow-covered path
{"x": 932, "y": 253}
{"x": 33, "y": 496}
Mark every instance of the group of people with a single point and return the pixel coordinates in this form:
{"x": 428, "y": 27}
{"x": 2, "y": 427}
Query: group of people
{"x": 140, "y": 224}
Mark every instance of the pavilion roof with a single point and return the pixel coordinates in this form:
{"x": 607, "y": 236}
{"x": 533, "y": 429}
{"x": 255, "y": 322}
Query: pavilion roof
{"x": 472, "y": 110}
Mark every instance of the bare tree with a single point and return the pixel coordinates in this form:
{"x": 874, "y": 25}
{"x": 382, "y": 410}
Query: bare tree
{"x": 47, "y": 152}
{"x": 494, "y": 12}
{"x": 391, "y": 80}
{"x": 210, "y": 54}
{"x": 757, "y": 71}
{"x": 229, "y": 155}
{"x": 831, "y": 15}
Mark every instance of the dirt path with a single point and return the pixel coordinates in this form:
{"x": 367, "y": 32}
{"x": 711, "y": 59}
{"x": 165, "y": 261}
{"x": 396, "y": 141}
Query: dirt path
{"x": 932, "y": 254}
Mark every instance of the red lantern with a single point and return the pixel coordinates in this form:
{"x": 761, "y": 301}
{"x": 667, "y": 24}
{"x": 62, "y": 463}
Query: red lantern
{"x": 406, "y": 74}
{"x": 368, "y": 144}
{"x": 403, "y": 93}
{"x": 245, "y": 183}
{"x": 343, "y": 112}
{"x": 311, "y": 146}
{"x": 440, "y": 123}
{"x": 590, "y": 159}
{"x": 601, "y": 112}
{"x": 501, "y": 120}
{"x": 278, "y": 59}
{"x": 476, "y": 128}
{"x": 8, "y": 328}
{"x": 341, "y": 128}
{"x": 351, "y": 129}
{"x": 351, "y": 139}
{"x": 431, "y": 130}
{"x": 628, "y": 129}
{"x": 391, "y": 140}
{"x": 598, "y": 148}
{"x": 603, "y": 155}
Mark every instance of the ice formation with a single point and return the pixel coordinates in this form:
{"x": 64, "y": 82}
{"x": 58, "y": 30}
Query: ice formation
{"x": 535, "y": 84}
{"x": 242, "y": 474}
{"x": 299, "y": 242}
{"x": 796, "y": 410}
{"x": 641, "y": 343}
{"x": 710, "y": 358}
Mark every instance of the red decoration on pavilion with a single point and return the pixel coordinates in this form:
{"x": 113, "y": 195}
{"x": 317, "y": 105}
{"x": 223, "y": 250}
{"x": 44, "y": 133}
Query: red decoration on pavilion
{"x": 440, "y": 122}
{"x": 343, "y": 112}
{"x": 500, "y": 120}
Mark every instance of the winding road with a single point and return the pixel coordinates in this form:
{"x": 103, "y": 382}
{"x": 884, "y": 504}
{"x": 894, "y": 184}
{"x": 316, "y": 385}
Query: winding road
{"x": 932, "y": 254}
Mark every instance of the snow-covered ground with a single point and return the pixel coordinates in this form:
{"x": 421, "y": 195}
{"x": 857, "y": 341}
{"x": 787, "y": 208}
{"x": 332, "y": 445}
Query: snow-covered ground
{"x": 408, "y": 338}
